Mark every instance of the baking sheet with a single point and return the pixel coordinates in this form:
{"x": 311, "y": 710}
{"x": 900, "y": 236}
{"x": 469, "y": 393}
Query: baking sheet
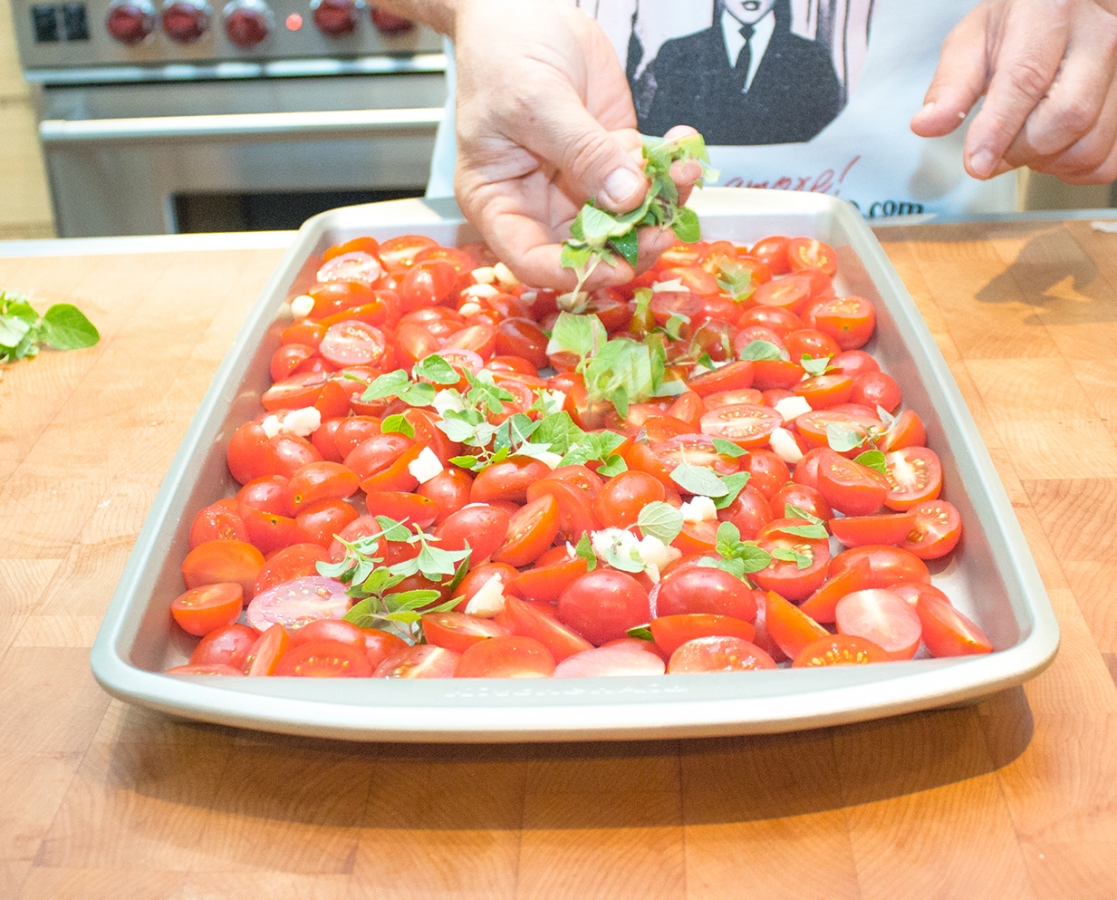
{"x": 991, "y": 577}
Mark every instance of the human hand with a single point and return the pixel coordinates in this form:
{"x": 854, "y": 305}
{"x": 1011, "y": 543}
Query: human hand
{"x": 1046, "y": 70}
{"x": 545, "y": 120}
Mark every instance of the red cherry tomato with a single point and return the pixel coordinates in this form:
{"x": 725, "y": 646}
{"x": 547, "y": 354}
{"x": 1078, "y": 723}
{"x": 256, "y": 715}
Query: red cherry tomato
{"x": 204, "y": 609}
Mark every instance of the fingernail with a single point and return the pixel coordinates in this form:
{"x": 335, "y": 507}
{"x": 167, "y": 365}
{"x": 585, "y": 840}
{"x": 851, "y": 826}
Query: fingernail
{"x": 621, "y": 185}
{"x": 982, "y": 163}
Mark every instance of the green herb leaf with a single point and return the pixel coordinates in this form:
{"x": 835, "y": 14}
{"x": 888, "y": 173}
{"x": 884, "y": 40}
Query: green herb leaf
{"x": 660, "y": 520}
{"x": 696, "y": 480}
{"x": 873, "y": 459}
{"x": 756, "y": 350}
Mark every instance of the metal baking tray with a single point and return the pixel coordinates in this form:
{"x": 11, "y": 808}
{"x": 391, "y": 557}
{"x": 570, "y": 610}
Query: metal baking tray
{"x": 991, "y": 576}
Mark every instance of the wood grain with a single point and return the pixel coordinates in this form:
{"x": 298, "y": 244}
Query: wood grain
{"x": 1013, "y": 796}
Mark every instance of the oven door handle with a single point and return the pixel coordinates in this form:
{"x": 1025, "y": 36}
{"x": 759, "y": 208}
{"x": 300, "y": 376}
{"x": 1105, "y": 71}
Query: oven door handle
{"x": 244, "y": 126}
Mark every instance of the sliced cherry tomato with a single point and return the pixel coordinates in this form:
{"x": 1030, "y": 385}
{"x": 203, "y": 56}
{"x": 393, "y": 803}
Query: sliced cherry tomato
{"x": 619, "y": 502}
{"x": 610, "y": 660}
{"x": 507, "y": 480}
{"x": 821, "y": 605}
{"x": 839, "y": 650}
{"x": 510, "y": 656}
{"x": 886, "y": 528}
{"x": 202, "y": 610}
{"x": 936, "y": 530}
{"x": 883, "y": 617}
{"x": 266, "y": 652}
{"x": 218, "y": 520}
{"x": 528, "y": 620}
{"x": 531, "y": 530}
{"x": 849, "y": 487}
{"x": 877, "y": 389}
{"x": 788, "y": 626}
{"x": 458, "y": 631}
{"x": 223, "y": 560}
{"x": 229, "y": 645}
{"x": 420, "y": 661}
{"x": 947, "y": 632}
{"x": 356, "y": 343}
{"x": 289, "y": 563}
{"x": 747, "y": 425}
{"x": 718, "y": 654}
{"x": 294, "y": 603}
{"x": 324, "y": 659}
{"x": 887, "y": 565}
{"x": 809, "y": 253}
{"x": 914, "y": 476}
{"x": 481, "y": 526}
{"x": 671, "y": 632}
{"x": 850, "y": 320}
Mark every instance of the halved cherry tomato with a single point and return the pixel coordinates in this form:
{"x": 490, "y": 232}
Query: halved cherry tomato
{"x": 510, "y": 656}
{"x": 883, "y": 617}
{"x": 936, "y": 530}
{"x": 202, "y": 610}
{"x": 747, "y": 425}
{"x": 947, "y": 632}
{"x": 839, "y": 650}
{"x": 914, "y": 475}
{"x": 458, "y": 631}
{"x": 223, "y": 560}
{"x": 324, "y": 659}
{"x": 420, "y": 661}
{"x": 229, "y": 645}
{"x": 886, "y": 528}
{"x": 671, "y": 632}
{"x": 718, "y": 654}
{"x": 531, "y": 530}
{"x": 610, "y": 660}
{"x": 809, "y": 253}
{"x": 849, "y": 487}
{"x": 295, "y": 603}
{"x": 848, "y": 320}
{"x": 288, "y": 564}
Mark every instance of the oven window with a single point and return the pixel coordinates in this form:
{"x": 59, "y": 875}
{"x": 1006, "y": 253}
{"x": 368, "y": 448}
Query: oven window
{"x": 283, "y": 211}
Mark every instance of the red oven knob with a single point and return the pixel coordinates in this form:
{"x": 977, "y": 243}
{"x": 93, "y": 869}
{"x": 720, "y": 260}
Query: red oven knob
{"x": 130, "y": 21}
{"x": 247, "y": 22}
{"x": 335, "y": 18}
{"x": 390, "y": 23}
{"x": 185, "y": 20}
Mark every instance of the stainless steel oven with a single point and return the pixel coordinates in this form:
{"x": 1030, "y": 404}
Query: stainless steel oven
{"x": 254, "y": 114}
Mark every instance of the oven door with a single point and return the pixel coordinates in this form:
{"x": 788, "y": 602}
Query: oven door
{"x": 163, "y": 158}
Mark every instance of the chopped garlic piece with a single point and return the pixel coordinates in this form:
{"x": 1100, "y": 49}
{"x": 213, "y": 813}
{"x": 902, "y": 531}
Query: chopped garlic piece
{"x": 480, "y": 290}
{"x": 699, "y": 509}
{"x": 484, "y": 275}
{"x": 489, "y": 599}
{"x": 425, "y": 466}
{"x": 301, "y": 306}
{"x": 675, "y": 284}
{"x": 504, "y": 275}
{"x": 792, "y": 407}
{"x": 784, "y": 445}
{"x": 303, "y": 422}
{"x": 469, "y": 309}
{"x": 271, "y": 426}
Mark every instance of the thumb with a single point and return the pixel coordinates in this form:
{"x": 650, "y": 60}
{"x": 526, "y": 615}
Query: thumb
{"x": 591, "y": 161}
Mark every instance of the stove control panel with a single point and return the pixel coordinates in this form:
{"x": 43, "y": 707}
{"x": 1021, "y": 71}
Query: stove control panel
{"x": 60, "y": 35}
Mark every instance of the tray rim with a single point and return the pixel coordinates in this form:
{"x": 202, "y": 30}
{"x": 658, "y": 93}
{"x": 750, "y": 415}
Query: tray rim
{"x": 264, "y": 706}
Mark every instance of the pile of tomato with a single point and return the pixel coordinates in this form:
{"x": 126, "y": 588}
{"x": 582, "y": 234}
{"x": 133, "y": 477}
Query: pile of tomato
{"x": 816, "y": 554}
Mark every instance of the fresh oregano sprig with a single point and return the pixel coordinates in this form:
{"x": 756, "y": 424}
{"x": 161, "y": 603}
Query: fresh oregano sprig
{"x": 23, "y": 331}
{"x": 598, "y": 235}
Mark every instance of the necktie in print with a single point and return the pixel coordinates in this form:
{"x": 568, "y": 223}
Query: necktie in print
{"x": 744, "y": 59}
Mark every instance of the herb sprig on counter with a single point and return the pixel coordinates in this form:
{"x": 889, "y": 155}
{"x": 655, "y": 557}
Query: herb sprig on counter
{"x": 23, "y": 331}
{"x": 598, "y": 235}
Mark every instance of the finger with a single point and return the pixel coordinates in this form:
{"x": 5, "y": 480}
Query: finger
{"x": 960, "y": 78}
{"x": 594, "y": 161}
{"x": 1023, "y": 70}
{"x": 1089, "y": 160}
{"x": 1076, "y": 101}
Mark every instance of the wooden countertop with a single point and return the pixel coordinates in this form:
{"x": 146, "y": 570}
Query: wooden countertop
{"x": 1013, "y": 797}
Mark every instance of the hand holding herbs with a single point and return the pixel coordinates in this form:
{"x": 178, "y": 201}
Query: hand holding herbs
{"x": 597, "y": 235}
{"x": 23, "y": 331}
